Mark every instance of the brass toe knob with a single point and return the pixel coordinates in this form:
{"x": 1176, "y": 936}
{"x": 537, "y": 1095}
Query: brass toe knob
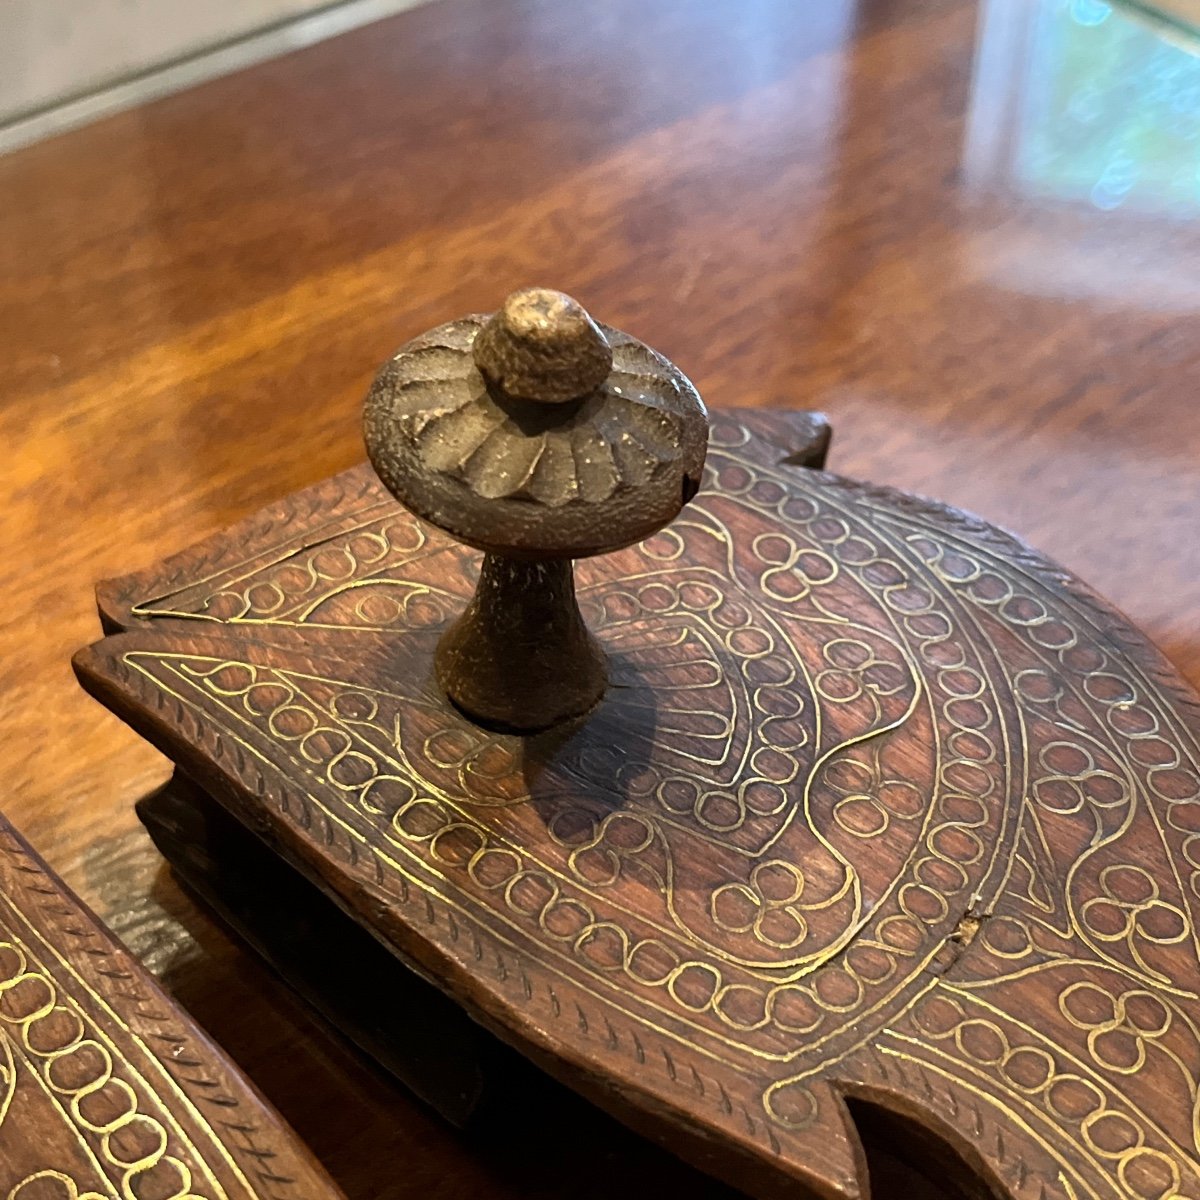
{"x": 537, "y": 436}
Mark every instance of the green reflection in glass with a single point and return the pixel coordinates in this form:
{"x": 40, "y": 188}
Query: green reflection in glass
{"x": 1112, "y": 111}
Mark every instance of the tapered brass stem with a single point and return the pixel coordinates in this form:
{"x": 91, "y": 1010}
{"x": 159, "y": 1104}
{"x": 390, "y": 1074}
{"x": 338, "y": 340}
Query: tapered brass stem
{"x": 520, "y": 657}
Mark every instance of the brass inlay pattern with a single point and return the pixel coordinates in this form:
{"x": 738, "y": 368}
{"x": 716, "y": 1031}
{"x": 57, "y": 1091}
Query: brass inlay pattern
{"x": 65, "y": 1050}
{"x": 755, "y": 740}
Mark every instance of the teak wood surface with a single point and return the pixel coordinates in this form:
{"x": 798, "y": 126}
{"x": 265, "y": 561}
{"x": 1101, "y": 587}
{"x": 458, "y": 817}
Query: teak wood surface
{"x": 195, "y": 295}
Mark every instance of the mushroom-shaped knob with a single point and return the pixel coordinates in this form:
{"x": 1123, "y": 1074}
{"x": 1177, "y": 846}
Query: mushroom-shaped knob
{"x": 537, "y": 436}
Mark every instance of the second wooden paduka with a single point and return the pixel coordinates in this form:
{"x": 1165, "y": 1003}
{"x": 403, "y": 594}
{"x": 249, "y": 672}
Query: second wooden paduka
{"x": 108, "y": 1090}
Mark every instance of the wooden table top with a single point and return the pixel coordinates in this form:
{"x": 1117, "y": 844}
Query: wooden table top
{"x": 948, "y": 225}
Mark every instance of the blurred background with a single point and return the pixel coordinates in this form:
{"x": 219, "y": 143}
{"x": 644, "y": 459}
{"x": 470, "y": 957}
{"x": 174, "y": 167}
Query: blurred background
{"x": 1070, "y": 99}
{"x": 64, "y": 62}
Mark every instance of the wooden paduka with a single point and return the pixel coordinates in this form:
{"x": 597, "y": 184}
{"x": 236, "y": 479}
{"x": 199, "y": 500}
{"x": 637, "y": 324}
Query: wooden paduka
{"x": 881, "y": 818}
{"x": 107, "y": 1088}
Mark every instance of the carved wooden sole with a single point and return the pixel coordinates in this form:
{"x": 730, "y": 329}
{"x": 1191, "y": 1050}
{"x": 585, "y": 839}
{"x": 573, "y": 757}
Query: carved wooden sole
{"x": 883, "y": 808}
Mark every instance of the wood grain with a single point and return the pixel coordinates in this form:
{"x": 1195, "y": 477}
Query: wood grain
{"x": 194, "y": 297}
